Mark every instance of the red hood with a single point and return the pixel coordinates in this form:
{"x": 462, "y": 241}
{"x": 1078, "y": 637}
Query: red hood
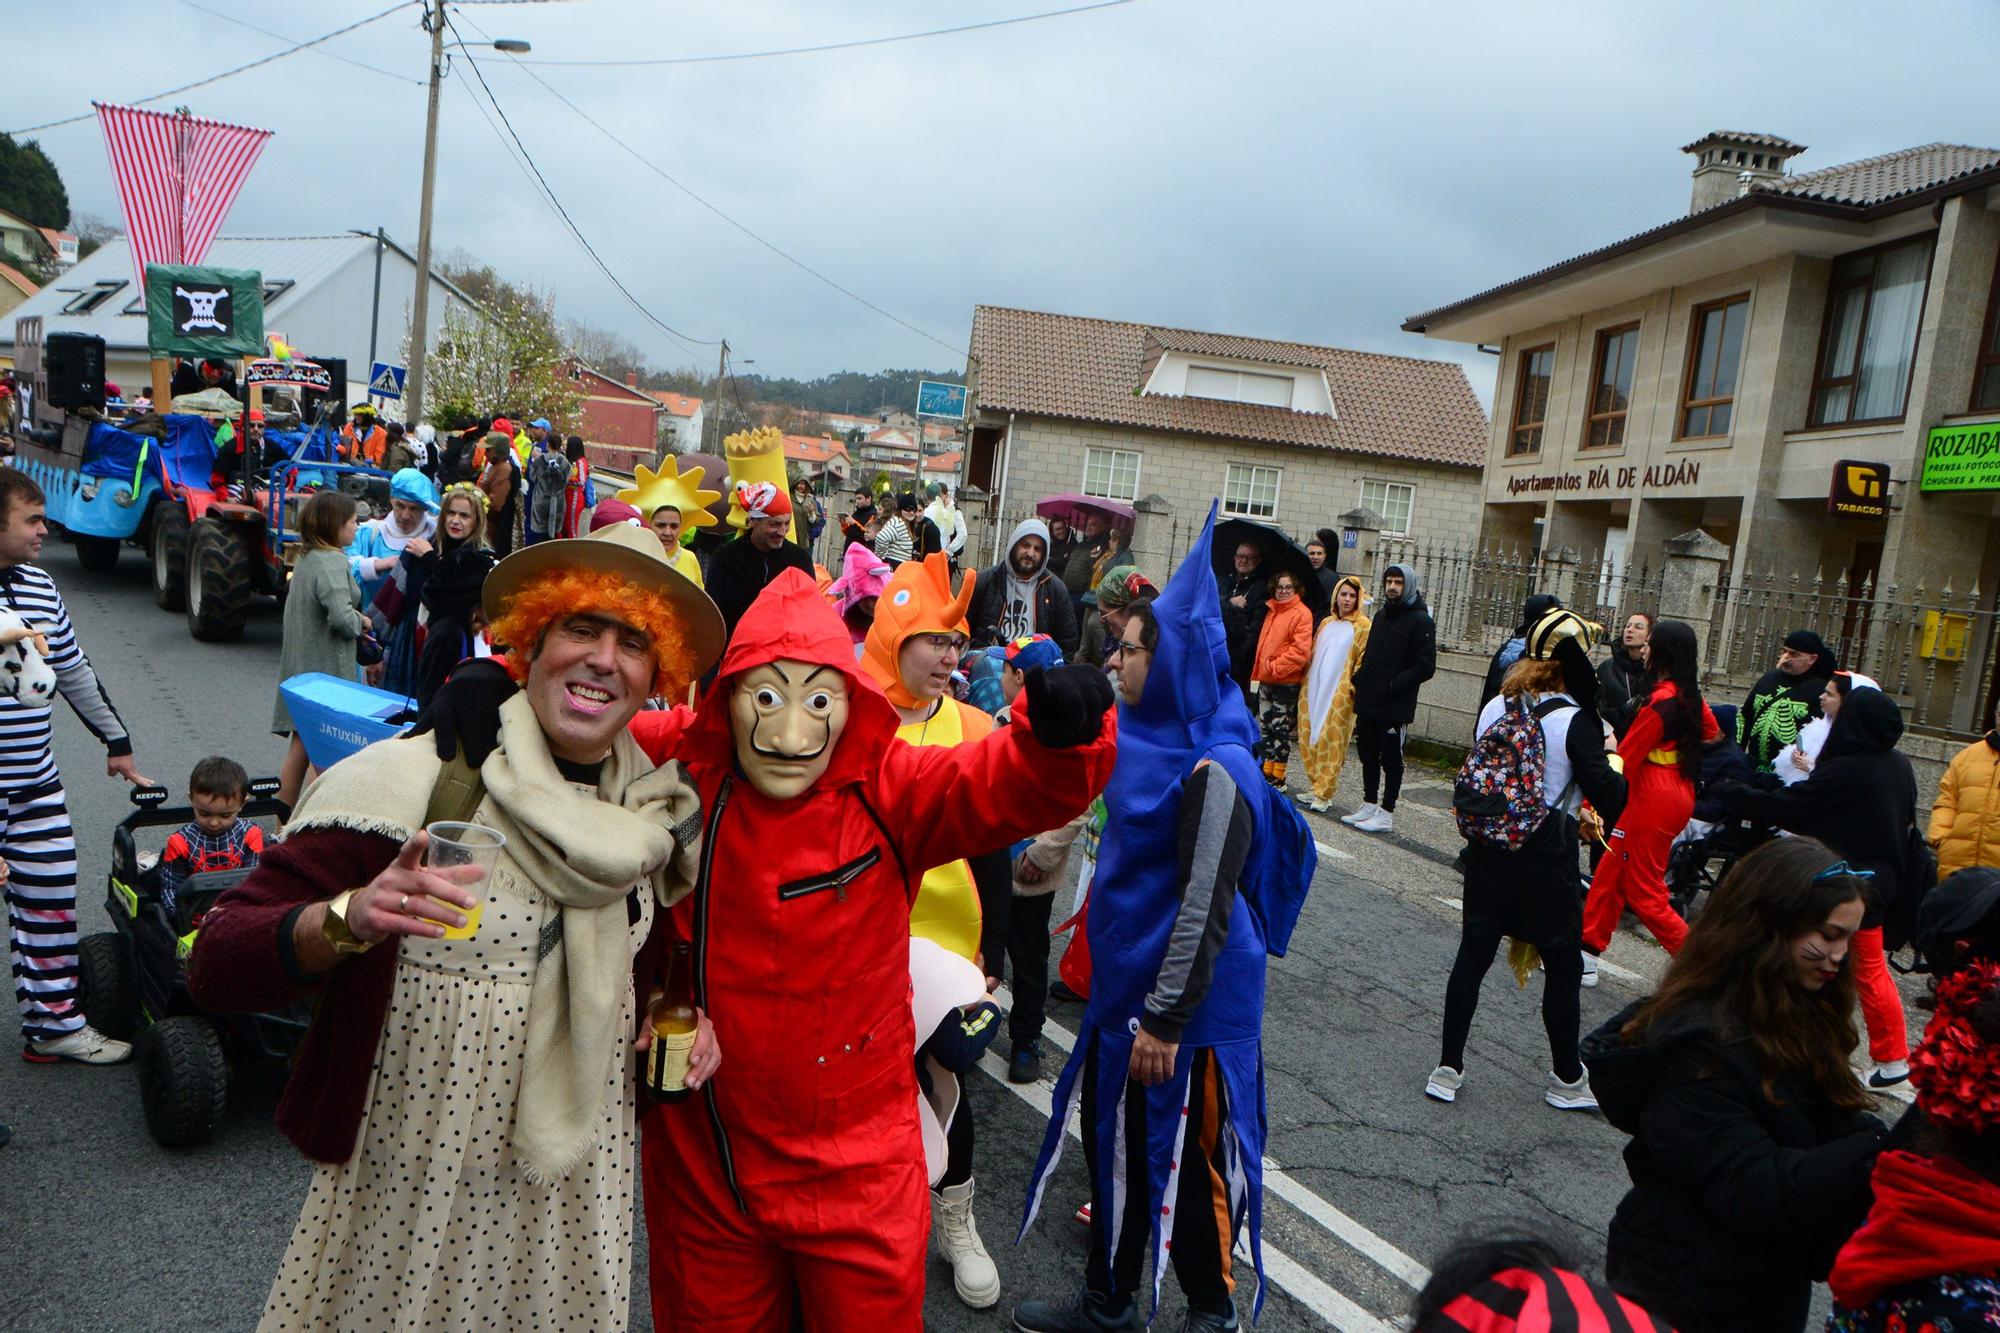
{"x": 1932, "y": 1217}
{"x": 791, "y": 622}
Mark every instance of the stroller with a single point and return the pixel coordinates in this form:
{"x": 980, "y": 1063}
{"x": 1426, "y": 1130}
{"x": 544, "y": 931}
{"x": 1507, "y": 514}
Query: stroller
{"x": 1697, "y": 865}
{"x": 133, "y": 979}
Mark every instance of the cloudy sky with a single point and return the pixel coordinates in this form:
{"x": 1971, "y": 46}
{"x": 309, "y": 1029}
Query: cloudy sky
{"x": 1301, "y": 169}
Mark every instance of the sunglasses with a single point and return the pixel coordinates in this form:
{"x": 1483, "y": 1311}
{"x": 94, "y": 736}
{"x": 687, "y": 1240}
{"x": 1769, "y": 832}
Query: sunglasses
{"x": 1840, "y": 868}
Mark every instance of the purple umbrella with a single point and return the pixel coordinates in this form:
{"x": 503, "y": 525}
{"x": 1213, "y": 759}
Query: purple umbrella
{"x": 1072, "y": 507}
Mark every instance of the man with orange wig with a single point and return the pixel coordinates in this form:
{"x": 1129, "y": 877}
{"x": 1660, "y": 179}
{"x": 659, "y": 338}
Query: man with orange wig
{"x": 466, "y": 1085}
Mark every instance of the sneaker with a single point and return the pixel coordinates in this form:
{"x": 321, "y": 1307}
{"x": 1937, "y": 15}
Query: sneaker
{"x": 1575, "y": 1096}
{"x": 1208, "y": 1321}
{"x": 1081, "y": 1313}
{"x": 1889, "y": 1075}
{"x": 1589, "y": 968}
{"x": 1444, "y": 1084}
{"x": 1382, "y": 821}
{"x": 1365, "y": 812}
{"x": 1317, "y": 806}
{"x": 1026, "y": 1064}
{"x": 86, "y": 1045}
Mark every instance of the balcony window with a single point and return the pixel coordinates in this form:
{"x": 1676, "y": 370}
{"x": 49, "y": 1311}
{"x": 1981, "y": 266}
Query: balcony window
{"x": 1986, "y": 376}
{"x": 1868, "y": 344}
{"x": 1531, "y": 400}
{"x": 1611, "y": 387}
{"x": 1715, "y": 356}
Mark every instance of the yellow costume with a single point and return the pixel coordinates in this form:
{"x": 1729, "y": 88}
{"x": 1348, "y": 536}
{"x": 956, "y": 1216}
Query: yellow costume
{"x": 918, "y": 600}
{"x": 671, "y": 486}
{"x": 1326, "y": 700}
{"x": 756, "y": 455}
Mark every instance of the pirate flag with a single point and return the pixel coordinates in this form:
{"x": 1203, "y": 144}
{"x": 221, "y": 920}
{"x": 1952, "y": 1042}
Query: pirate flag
{"x": 204, "y": 311}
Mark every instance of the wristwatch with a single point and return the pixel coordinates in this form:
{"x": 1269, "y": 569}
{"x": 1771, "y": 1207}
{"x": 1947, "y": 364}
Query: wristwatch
{"x": 339, "y": 936}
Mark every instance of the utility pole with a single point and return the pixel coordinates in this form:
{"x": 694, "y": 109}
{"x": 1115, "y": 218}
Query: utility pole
{"x": 721, "y": 364}
{"x": 420, "y": 308}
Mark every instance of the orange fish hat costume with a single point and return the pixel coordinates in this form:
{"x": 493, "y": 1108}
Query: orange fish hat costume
{"x": 800, "y": 1166}
{"x": 919, "y": 600}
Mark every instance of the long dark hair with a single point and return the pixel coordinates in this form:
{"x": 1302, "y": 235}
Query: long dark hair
{"x": 1671, "y": 661}
{"x": 1737, "y": 964}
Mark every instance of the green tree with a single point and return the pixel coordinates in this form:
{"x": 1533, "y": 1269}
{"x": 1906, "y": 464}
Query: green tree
{"x": 504, "y": 358}
{"x": 30, "y": 186}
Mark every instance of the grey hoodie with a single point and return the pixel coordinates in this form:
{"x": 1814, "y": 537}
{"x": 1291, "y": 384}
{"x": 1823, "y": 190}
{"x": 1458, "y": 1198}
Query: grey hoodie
{"x": 1413, "y": 595}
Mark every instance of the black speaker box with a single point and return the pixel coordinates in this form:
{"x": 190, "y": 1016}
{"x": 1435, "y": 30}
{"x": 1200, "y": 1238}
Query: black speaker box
{"x": 74, "y": 365}
{"x": 336, "y": 402}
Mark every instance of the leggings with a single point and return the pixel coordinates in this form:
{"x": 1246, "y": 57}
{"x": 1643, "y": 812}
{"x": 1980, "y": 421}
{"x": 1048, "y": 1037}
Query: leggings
{"x": 1881, "y": 1004}
{"x": 1381, "y": 746}
{"x": 1543, "y": 897}
{"x": 958, "y": 1139}
{"x": 40, "y": 849}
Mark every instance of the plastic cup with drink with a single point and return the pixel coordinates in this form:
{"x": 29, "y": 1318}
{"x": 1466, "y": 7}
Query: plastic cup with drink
{"x": 456, "y": 844}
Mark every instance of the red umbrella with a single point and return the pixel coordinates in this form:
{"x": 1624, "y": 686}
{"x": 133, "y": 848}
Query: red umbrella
{"x": 1072, "y": 507}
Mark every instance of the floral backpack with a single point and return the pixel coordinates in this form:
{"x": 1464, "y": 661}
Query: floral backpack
{"x": 1497, "y": 798}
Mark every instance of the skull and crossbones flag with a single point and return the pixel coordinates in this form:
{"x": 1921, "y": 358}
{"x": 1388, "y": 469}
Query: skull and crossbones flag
{"x": 204, "y": 311}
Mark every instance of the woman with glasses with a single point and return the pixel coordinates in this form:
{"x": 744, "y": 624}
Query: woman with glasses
{"x": 1861, "y": 800}
{"x": 1751, "y": 1139}
{"x": 1284, "y": 648}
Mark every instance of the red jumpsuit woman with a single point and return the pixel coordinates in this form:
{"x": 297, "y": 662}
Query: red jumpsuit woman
{"x": 1661, "y": 753}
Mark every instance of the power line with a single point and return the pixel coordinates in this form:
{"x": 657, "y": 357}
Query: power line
{"x": 772, "y": 246}
{"x": 836, "y": 46}
{"x": 562, "y": 212}
{"x": 227, "y": 73}
{"x": 330, "y": 55}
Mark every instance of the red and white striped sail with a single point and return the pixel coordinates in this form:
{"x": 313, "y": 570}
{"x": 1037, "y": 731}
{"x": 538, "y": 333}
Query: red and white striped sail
{"x": 177, "y": 176}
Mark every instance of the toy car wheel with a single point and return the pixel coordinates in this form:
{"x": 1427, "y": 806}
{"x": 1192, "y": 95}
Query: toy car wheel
{"x": 222, "y": 580}
{"x": 183, "y": 1081}
{"x": 106, "y": 983}
{"x": 168, "y": 547}
{"x": 98, "y": 555}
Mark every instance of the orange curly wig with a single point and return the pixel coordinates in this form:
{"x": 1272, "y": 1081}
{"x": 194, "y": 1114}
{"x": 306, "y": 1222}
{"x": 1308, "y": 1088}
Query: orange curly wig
{"x": 570, "y": 592}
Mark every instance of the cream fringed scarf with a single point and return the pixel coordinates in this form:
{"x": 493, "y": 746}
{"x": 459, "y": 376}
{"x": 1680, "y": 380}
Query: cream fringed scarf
{"x": 586, "y": 852}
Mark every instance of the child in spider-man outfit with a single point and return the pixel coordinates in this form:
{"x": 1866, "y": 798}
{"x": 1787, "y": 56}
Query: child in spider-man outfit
{"x": 218, "y": 837}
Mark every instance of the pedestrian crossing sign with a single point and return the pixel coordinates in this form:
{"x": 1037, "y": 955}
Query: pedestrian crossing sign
{"x": 385, "y": 381}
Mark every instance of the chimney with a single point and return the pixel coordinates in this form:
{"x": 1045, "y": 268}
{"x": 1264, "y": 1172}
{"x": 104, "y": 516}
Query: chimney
{"x": 631, "y": 379}
{"x": 1729, "y": 163}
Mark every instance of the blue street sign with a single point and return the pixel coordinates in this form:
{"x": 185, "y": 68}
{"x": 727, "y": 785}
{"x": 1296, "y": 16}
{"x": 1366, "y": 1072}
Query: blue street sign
{"x": 940, "y": 400}
{"x": 385, "y": 380}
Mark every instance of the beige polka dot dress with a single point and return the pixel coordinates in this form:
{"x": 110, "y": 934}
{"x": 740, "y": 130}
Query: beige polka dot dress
{"x": 429, "y": 1225}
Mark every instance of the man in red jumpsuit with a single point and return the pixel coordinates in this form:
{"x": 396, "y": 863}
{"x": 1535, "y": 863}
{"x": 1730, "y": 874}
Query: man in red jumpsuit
{"x": 800, "y": 1166}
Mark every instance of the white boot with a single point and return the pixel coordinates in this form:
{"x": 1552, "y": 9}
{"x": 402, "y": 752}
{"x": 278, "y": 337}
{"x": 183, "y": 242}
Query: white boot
{"x": 972, "y": 1270}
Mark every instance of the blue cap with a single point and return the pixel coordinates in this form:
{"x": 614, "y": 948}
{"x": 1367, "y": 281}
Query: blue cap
{"x": 542, "y": 422}
{"x": 1028, "y": 652}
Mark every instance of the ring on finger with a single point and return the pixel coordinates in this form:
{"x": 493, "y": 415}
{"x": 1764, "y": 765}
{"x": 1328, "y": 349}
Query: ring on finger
{"x": 404, "y": 907}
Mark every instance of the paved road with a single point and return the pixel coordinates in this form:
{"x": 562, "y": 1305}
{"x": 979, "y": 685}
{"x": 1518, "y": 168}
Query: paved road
{"x": 100, "y": 1229}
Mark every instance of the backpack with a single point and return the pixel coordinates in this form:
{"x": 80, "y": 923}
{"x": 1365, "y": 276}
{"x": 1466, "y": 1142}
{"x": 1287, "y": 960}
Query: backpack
{"x": 1497, "y": 798}
{"x": 1920, "y": 876}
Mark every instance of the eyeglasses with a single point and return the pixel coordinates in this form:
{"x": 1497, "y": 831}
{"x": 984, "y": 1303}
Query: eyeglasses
{"x": 1840, "y": 868}
{"x": 1122, "y": 647}
{"x": 947, "y": 643}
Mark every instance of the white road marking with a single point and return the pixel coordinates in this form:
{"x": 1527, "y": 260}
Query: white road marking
{"x": 1327, "y": 849}
{"x": 1380, "y": 1252}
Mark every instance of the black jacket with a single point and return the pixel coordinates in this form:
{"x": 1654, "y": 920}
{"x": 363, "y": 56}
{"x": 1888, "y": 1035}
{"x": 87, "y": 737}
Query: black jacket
{"x": 1401, "y": 655}
{"x": 1860, "y": 799}
{"x": 1242, "y": 625}
{"x": 1777, "y": 707}
{"x": 1055, "y": 616}
{"x": 1737, "y": 1205}
{"x": 1510, "y": 652}
{"x": 739, "y": 571}
{"x": 1620, "y": 692}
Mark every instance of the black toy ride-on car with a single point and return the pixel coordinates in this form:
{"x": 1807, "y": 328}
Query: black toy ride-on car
{"x": 133, "y": 980}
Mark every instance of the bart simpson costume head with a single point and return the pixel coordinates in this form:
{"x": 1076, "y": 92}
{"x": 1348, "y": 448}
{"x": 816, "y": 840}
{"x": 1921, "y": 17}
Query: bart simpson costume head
{"x": 671, "y": 486}
{"x": 917, "y": 600}
{"x": 754, "y": 456}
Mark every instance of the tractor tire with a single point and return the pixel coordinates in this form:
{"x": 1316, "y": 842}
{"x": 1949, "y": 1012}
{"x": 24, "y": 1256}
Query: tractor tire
{"x": 105, "y": 978}
{"x": 168, "y": 546}
{"x": 222, "y": 580}
{"x": 98, "y": 555}
{"x": 183, "y": 1081}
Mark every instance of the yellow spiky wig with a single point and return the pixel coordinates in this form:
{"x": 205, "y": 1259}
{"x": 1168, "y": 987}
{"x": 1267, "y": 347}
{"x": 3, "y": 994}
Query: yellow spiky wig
{"x": 568, "y": 592}
{"x": 671, "y": 486}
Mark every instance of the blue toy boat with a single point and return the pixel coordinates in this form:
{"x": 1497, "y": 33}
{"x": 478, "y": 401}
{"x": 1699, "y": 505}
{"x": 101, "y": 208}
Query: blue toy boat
{"x": 336, "y": 717}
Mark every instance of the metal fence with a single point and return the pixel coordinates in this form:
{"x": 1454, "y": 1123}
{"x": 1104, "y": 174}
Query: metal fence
{"x": 1930, "y": 649}
{"x": 1475, "y": 595}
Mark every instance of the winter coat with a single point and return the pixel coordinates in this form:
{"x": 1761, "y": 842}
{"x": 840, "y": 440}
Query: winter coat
{"x": 1285, "y": 644}
{"x": 1055, "y": 614}
{"x": 740, "y": 571}
{"x": 1860, "y": 800}
{"x": 1243, "y": 625}
{"x": 1510, "y": 652}
{"x": 1620, "y": 688}
{"x": 322, "y": 620}
{"x": 1965, "y": 822}
{"x": 1737, "y": 1204}
{"x": 1722, "y": 760}
{"x": 1777, "y": 707}
{"x": 1401, "y": 656}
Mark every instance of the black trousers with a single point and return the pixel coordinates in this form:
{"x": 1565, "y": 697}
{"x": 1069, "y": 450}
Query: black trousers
{"x": 1028, "y": 959}
{"x": 1203, "y": 1229}
{"x": 1532, "y": 895}
{"x": 1380, "y": 745}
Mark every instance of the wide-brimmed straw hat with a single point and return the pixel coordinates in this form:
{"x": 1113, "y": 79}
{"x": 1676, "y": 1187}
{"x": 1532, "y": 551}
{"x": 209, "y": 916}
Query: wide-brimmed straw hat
{"x": 633, "y": 554}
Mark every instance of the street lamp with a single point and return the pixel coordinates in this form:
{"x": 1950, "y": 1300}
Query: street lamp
{"x": 434, "y": 23}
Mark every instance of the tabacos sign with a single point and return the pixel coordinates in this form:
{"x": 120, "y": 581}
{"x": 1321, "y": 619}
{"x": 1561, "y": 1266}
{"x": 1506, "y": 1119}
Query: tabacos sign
{"x": 1658, "y": 476}
{"x": 1860, "y": 490}
{"x": 1962, "y": 458}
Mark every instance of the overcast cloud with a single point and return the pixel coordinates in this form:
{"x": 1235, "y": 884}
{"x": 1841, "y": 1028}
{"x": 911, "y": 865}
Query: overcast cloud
{"x": 1293, "y": 169}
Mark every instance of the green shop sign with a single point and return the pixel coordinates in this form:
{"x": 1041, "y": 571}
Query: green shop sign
{"x": 1962, "y": 458}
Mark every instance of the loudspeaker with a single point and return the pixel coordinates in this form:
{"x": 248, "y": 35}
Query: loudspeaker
{"x": 336, "y": 402}
{"x": 74, "y": 365}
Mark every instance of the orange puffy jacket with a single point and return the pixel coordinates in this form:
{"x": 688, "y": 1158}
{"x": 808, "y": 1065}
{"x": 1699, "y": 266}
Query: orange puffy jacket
{"x": 1285, "y": 646}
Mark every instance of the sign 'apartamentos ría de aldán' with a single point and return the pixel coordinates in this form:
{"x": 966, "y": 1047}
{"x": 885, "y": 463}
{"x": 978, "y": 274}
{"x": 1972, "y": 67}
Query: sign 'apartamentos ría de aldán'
{"x": 1962, "y": 458}
{"x": 1654, "y": 477}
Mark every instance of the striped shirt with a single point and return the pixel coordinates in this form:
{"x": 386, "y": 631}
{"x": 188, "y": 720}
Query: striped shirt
{"x": 26, "y": 732}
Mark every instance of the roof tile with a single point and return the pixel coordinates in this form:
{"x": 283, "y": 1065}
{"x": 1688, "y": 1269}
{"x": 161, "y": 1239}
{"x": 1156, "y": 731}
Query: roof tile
{"x": 1875, "y": 180}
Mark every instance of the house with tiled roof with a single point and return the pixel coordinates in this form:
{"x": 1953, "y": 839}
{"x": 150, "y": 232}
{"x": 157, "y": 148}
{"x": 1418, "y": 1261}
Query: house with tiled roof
{"x": 1286, "y": 433}
{"x": 1805, "y": 366}
{"x": 15, "y": 287}
{"x": 683, "y": 419}
{"x": 817, "y": 458}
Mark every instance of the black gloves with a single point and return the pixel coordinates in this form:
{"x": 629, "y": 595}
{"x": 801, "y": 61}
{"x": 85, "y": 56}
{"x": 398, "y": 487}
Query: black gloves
{"x": 466, "y": 711}
{"x": 1067, "y": 704}
{"x": 1579, "y": 676}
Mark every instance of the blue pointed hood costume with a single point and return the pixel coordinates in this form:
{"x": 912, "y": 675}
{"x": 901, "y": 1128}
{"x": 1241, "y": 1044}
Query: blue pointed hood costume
{"x": 1189, "y": 711}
